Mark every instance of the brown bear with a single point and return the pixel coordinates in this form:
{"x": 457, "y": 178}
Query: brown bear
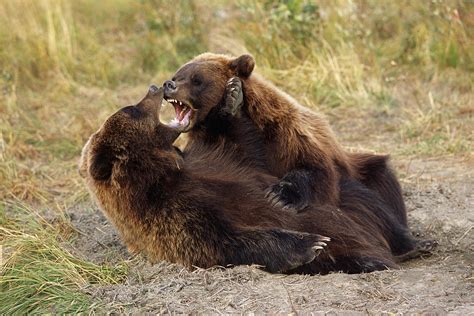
{"x": 274, "y": 133}
{"x": 204, "y": 207}
{"x": 169, "y": 211}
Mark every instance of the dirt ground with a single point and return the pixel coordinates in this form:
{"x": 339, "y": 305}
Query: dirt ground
{"x": 440, "y": 200}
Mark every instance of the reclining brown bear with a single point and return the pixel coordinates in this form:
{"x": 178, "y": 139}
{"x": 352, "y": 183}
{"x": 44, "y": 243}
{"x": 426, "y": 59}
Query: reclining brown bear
{"x": 274, "y": 133}
{"x": 204, "y": 207}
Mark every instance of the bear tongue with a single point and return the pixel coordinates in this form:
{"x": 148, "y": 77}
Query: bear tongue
{"x": 182, "y": 114}
{"x": 181, "y": 121}
{"x": 178, "y": 109}
{"x": 185, "y": 119}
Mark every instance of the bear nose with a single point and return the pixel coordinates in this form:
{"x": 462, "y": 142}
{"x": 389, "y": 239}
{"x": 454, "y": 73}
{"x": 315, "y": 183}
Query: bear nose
{"x": 169, "y": 85}
{"x": 153, "y": 89}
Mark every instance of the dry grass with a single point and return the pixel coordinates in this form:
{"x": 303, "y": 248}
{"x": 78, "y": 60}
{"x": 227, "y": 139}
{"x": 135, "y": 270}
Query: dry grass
{"x": 39, "y": 274}
{"x": 400, "y": 71}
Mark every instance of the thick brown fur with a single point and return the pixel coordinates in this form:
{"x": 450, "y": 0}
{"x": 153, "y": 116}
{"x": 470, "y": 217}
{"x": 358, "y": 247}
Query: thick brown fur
{"x": 287, "y": 140}
{"x": 206, "y": 207}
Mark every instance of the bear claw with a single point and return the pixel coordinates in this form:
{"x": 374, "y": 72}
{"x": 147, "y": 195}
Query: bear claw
{"x": 284, "y": 195}
{"x": 422, "y": 248}
{"x": 234, "y": 97}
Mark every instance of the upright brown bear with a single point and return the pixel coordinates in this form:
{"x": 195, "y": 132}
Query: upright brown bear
{"x": 204, "y": 207}
{"x": 273, "y": 132}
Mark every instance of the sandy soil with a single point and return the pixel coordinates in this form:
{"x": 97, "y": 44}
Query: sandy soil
{"x": 440, "y": 201}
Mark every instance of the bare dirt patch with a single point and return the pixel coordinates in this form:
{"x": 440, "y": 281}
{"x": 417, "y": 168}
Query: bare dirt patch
{"x": 439, "y": 197}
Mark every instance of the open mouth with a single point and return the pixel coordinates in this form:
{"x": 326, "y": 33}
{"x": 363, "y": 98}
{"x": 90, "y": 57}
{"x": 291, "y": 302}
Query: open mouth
{"x": 183, "y": 114}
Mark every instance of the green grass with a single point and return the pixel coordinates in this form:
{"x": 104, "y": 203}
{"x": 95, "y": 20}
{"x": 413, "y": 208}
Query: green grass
{"x": 40, "y": 275}
{"x": 401, "y": 72}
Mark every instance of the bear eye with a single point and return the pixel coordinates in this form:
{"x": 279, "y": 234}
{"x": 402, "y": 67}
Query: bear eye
{"x": 197, "y": 81}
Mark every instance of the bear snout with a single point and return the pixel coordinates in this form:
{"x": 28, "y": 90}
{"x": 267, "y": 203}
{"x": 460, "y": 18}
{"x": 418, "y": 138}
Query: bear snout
{"x": 153, "y": 90}
{"x": 169, "y": 86}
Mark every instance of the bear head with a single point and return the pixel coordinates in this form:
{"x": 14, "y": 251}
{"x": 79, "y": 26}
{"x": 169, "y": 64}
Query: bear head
{"x": 133, "y": 137}
{"x": 199, "y": 86}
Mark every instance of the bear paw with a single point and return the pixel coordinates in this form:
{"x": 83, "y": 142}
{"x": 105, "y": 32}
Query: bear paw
{"x": 426, "y": 246}
{"x": 234, "y": 97}
{"x": 286, "y": 195}
{"x": 422, "y": 248}
{"x": 315, "y": 249}
{"x": 308, "y": 247}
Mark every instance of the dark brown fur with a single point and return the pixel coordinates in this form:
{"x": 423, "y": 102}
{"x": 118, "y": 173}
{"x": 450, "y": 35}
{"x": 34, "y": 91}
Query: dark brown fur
{"x": 204, "y": 207}
{"x": 289, "y": 141}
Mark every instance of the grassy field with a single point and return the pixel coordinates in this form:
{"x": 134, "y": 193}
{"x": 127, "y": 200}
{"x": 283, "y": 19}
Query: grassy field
{"x": 392, "y": 76}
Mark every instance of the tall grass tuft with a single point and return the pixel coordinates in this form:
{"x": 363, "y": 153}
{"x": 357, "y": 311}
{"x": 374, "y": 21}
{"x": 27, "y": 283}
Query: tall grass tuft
{"x": 39, "y": 274}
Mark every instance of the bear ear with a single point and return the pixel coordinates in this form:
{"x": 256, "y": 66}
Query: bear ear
{"x": 243, "y": 65}
{"x": 102, "y": 163}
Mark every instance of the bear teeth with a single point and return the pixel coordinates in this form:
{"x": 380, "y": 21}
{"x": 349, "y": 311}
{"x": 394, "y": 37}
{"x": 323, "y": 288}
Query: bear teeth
{"x": 175, "y": 101}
